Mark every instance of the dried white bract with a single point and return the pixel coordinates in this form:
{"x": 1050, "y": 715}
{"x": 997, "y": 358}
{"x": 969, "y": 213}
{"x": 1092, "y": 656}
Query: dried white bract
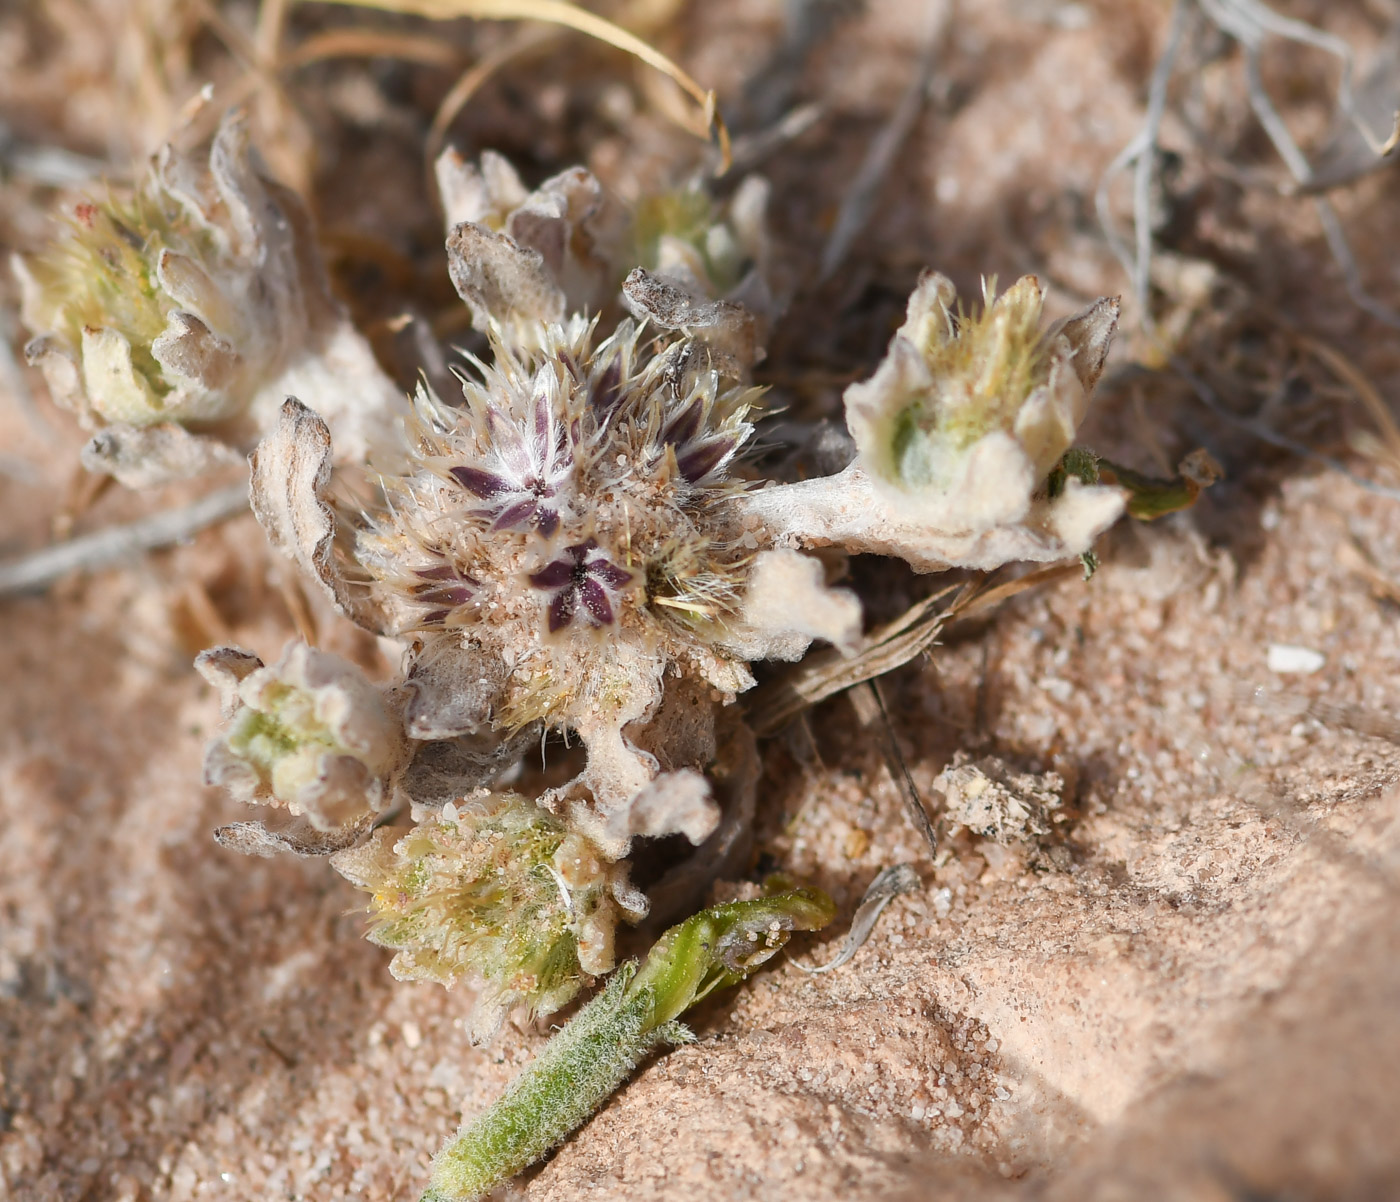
{"x": 310, "y": 734}
{"x": 496, "y": 888}
{"x": 956, "y": 434}
{"x": 524, "y": 260}
{"x": 176, "y": 316}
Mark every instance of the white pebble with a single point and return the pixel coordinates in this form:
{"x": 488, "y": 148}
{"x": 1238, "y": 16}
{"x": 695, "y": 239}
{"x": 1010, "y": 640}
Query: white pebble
{"x": 1294, "y": 661}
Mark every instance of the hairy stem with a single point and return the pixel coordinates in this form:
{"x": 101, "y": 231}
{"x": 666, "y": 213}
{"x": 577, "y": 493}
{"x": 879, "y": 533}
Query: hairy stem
{"x": 581, "y": 1066}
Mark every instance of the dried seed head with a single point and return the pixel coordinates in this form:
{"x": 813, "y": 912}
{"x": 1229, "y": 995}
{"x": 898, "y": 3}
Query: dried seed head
{"x": 310, "y": 734}
{"x": 192, "y": 301}
{"x": 495, "y": 888}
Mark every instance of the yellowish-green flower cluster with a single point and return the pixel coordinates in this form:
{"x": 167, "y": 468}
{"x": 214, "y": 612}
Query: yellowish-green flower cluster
{"x": 956, "y": 434}
{"x": 953, "y": 379}
{"x": 496, "y": 888}
{"x": 176, "y": 297}
{"x": 309, "y": 734}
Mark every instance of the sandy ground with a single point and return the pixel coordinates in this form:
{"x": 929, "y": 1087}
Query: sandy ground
{"x": 1188, "y": 991}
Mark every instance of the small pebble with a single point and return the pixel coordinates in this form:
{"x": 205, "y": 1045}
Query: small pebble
{"x": 1288, "y": 660}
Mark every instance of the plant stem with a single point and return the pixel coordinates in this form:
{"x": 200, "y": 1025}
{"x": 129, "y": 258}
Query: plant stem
{"x": 581, "y": 1066}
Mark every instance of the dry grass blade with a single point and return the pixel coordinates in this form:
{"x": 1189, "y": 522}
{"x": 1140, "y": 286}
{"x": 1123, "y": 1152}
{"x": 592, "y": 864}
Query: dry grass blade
{"x": 559, "y": 12}
{"x": 370, "y": 43}
{"x": 1352, "y": 556}
{"x": 777, "y": 702}
{"x": 1348, "y": 374}
{"x": 873, "y": 714}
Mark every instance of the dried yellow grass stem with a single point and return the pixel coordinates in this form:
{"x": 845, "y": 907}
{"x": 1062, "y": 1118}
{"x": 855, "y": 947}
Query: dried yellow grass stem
{"x": 559, "y": 12}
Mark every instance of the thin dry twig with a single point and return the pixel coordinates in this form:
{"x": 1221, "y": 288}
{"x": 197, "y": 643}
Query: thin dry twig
{"x": 1141, "y": 151}
{"x": 1249, "y": 23}
{"x": 117, "y": 544}
{"x": 858, "y": 204}
{"x": 871, "y": 711}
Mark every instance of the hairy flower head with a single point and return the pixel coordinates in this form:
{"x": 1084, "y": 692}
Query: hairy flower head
{"x": 310, "y": 734}
{"x": 969, "y": 397}
{"x": 572, "y": 512}
{"x": 498, "y": 889}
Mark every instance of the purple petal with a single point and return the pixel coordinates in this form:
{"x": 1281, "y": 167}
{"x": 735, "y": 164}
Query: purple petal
{"x": 443, "y": 571}
{"x": 699, "y": 462}
{"x": 591, "y": 593}
{"x": 685, "y": 425}
{"x": 553, "y": 575}
{"x": 546, "y": 521}
{"x": 483, "y": 484}
{"x": 580, "y": 550}
{"x": 561, "y": 610}
{"x": 433, "y": 618}
{"x": 609, "y": 573}
{"x": 444, "y": 596}
{"x": 607, "y": 391}
{"x": 515, "y": 515}
{"x": 543, "y": 425}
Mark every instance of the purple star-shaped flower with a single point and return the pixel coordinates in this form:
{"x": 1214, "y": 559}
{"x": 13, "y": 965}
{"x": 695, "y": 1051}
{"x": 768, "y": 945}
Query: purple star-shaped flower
{"x": 578, "y": 580}
{"x": 528, "y": 469}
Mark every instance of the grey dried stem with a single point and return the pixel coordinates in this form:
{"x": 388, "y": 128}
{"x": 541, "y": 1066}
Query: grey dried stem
{"x": 117, "y": 545}
{"x": 1250, "y": 24}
